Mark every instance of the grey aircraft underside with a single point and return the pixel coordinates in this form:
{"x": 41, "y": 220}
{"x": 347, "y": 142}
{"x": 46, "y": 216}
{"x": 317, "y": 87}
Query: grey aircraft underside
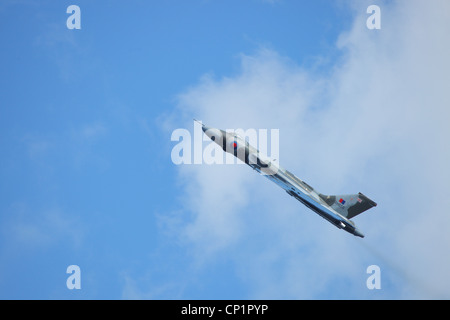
{"x": 337, "y": 209}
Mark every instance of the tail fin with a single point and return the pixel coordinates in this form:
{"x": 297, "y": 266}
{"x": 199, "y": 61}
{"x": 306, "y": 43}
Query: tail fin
{"x": 349, "y": 205}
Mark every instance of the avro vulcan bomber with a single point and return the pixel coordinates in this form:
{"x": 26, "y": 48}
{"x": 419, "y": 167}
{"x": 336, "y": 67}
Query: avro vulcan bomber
{"x": 337, "y": 209}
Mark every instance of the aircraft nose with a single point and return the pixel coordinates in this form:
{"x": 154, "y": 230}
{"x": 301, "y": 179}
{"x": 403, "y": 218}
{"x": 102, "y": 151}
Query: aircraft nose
{"x": 214, "y": 134}
{"x": 204, "y": 127}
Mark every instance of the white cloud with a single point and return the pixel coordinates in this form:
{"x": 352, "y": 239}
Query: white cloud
{"x": 378, "y": 124}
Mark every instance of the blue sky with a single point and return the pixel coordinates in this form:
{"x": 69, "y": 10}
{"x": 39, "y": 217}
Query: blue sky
{"x": 86, "y": 176}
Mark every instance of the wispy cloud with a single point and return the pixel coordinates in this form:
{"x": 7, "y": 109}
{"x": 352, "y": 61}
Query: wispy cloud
{"x": 92, "y": 131}
{"x": 24, "y": 228}
{"x": 377, "y": 124}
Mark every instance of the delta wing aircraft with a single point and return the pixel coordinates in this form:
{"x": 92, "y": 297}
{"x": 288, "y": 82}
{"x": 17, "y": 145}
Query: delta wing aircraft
{"x": 337, "y": 209}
